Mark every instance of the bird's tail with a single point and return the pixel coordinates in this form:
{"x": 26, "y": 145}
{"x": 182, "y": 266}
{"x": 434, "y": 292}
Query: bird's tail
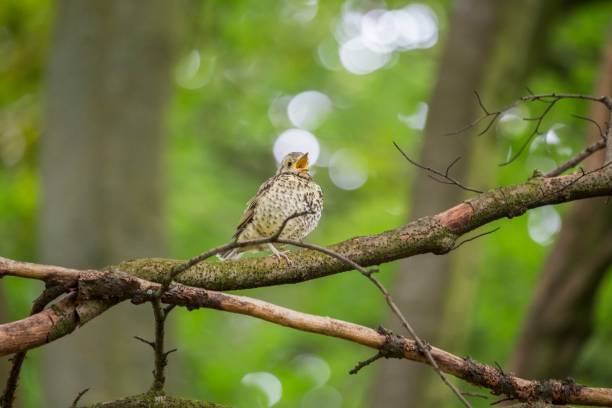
{"x": 231, "y": 254}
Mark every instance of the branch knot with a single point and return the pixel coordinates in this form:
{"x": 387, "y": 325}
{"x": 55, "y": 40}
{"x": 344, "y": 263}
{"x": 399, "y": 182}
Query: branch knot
{"x": 394, "y": 345}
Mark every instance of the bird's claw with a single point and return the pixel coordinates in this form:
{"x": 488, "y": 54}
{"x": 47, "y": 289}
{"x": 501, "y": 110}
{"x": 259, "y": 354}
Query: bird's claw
{"x": 285, "y": 257}
{"x": 280, "y": 254}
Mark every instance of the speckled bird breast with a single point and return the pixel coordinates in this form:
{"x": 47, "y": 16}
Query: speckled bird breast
{"x": 287, "y": 195}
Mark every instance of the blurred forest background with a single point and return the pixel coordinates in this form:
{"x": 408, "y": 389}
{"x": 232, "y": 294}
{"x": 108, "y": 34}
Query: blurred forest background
{"x": 141, "y": 128}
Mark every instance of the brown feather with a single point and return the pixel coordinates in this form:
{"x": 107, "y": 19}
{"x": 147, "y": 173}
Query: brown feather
{"x": 247, "y": 216}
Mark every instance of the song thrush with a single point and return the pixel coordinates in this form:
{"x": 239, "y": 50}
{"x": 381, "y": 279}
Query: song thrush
{"x": 289, "y": 192}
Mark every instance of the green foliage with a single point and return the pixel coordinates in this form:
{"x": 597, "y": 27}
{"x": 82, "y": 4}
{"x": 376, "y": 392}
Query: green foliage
{"x": 219, "y": 150}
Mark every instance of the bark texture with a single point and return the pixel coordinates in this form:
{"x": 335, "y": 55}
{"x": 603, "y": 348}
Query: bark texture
{"x": 560, "y": 316}
{"x": 107, "y": 91}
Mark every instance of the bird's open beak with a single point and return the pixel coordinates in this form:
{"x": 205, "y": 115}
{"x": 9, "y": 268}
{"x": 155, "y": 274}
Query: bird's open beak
{"x": 302, "y": 163}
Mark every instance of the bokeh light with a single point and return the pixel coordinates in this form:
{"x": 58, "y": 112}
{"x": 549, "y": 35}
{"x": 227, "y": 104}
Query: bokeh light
{"x": 12, "y": 143}
{"x": 369, "y": 38}
{"x": 308, "y": 109}
{"x": 296, "y": 140}
{"x": 302, "y": 11}
{"x": 511, "y": 122}
{"x": 359, "y": 59}
{"x": 277, "y": 112}
{"x": 346, "y": 170}
{"x": 267, "y": 383}
{"x": 543, "y": 224}
{"x": 194, "y": 71}
{"x": 416, "y": 120}
{"x": 327, "y": 55}
{"x": 322, "y": 397}
{"x": 314, "y": 367}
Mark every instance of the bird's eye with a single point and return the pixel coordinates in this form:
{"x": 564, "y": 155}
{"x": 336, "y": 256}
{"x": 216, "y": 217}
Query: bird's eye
{"x": 289, "y": 163}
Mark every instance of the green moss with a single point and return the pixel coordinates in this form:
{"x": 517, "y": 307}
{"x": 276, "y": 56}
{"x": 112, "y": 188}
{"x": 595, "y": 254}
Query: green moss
{"x": 65, "y": 325}
{"x": 150, "y": 400}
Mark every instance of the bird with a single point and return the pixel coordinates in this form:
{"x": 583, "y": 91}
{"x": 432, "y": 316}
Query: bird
{"x": 290, "y": 197}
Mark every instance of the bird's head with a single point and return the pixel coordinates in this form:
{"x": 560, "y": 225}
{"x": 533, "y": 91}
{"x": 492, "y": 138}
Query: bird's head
{"x": 296, "y": 163}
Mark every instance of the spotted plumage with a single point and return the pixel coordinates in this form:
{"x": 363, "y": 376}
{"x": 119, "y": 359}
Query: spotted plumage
{"x": 290, "y": 191}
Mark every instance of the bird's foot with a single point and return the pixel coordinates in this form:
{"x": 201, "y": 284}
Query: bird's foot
{"x": 280, "y": 254}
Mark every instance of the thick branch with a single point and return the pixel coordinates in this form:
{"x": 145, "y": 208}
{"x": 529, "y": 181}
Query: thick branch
{"x": 433, "y": 234}
{"x": 8, "y": 396}
{"x": 558, "y": 392}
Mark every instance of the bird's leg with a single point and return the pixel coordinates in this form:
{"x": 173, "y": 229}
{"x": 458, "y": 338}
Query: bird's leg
{"x": 279, "y": 254}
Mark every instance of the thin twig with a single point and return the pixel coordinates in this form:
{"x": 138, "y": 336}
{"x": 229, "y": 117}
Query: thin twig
{"x": 605, "y": 100}
{"x": 78, "y": 397}
{"x": 365, "y": 363}
{"x": 535, "y": 132}
{"x": 550, "y": 100}
{"x": 602, "y": 134}
{"x": 446, "y": 179}
{"x": 502, "y": 400}
{"x": 493, "y": 115}
{"x": 465, "y": 241}
{"x": 8, "y": 396}
{"x": 575, "y": 160}
{"x": 145, "y": 341}
{"x": 474, "y": 394}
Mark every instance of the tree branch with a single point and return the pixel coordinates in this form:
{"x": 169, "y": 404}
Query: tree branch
{"x": 577, "y": 159}
{"x": 8, "y": 396}
{"x": 436, "y": 234}
{"x": 432, "y": 234}
{"x": 500, "y": 383}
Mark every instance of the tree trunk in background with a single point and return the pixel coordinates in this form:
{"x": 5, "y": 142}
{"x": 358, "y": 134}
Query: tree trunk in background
{"x": 101, "y": 158}
{"x": 435, "y": 291}
{"x": 560, "y": 316}
{"x": 422, "y": 281}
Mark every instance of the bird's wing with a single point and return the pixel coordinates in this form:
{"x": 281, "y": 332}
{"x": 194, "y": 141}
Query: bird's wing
{"x": 249, "y": 212}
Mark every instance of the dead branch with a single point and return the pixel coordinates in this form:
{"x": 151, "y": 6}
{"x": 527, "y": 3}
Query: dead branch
{"x": 498, "y": 382}
{"x": 8, "y": 396}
